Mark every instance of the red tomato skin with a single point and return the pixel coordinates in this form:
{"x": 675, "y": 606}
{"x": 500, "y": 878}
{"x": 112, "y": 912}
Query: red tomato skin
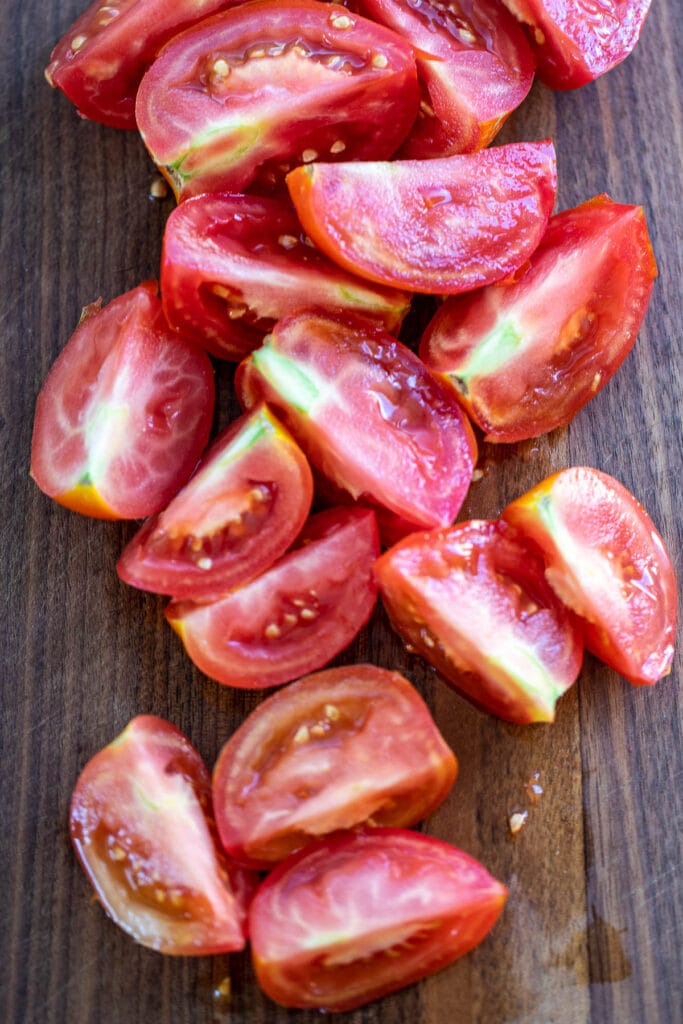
{"x": 325, "y": 753}
{"x": 142, "y": 827}
{"x": 473, "y": 601}
{"x": 608, "y": 563}
{"x": 440, "y": 227}
{"x": 125, "y": 411}
{"x": 232, "y": 265}
{"x": 362, "y": 887}
{"x": 573, "y": 313}
{"x": 296, "y": 616}
{"x": 222, "y": 133}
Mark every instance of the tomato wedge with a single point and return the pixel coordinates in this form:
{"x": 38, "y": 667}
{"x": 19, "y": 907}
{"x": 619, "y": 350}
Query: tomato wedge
{"x": 296, "y": 616}
{"x": 607, "y": 562}
{"x": 354, "y": 917}
{"x": 527, "y": 353}
{"x": 124, "y": 413}
{"x": 141, "y": 825}
{"x": 254, "y": 91}
{"x": 332, "y": 751}
{"x": 436, "y": 226}
{"x": 241, "y": 510}
{"x": 233, "y": 264}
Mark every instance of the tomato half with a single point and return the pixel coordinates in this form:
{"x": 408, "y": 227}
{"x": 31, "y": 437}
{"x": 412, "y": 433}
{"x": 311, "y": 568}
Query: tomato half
{"x": 240, "y": 511}
{"x": 332, "y": 751}
{"x": 474, "y": 602}
{"x": 527, "y": 353}
{"x": 233, "y": 264}
{"x": 296, "y": 616}
{"x": 354, "y": 917}
{"x": 141, "y": 824}
{"x": 254, "y": 91}
{"x": 124, "y": 413}
{"x": 437, "y": 226}
{"x": 607, "y": 562}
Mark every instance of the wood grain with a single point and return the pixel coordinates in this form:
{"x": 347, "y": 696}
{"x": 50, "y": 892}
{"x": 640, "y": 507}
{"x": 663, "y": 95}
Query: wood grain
{"x": 594, "y": 926}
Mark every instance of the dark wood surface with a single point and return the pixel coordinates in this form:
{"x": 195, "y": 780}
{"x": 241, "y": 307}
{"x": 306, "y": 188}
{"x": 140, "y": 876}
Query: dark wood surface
{"x": 594, "y": 927}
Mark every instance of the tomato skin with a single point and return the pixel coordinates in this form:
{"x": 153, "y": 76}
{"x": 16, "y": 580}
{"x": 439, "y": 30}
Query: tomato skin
{"x": 527, "y": 353}
{"x": 142, "y": 827}
{"x": 124, "y": 413}
{"x": 326, "y": 753}
{"x": 359, "y": 915}
{"x": 441, "y": 226}
{"x": 607, "y": 562}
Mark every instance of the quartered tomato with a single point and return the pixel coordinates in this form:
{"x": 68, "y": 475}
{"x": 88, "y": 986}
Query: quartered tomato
{"x": 368, "y": 415}
{"x": 474, "y": 602}
{"x": 141, "y": 825}
{"x": 528, "y": 352}
{"x": 474, "y": 64}
{"x": 254, "y": 91}
{"x": 354, "y": 917}
{"x": 332, "y": 751}
{"x": 233, "y": 264}
{"x": 241, "y": 510}
{"x": 608, "y": 563}
{"x": 437, "y": 226}
{"x": 296, "y": 616}
{"x": 575, "y": 41}
{"x": 124, "y": 413}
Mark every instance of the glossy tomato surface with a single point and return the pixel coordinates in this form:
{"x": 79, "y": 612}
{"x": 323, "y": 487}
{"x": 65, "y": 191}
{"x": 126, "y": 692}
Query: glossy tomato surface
{"x": 359, "y": 915}
{"x": 332, "y": 751}
{"x": 527, "y": 353}
{"x": 474, "y": 602}
{"x": 606, "y": 561}
{"x": 141, "y": 824}
{"x": 437, "y": 226}
{"x": 265, "y": 86}
{"x": 124, "y": 413}
{"x": 241, "y": 510}
{"x": 234, "y": 264}
{"x": 296, "y": 616}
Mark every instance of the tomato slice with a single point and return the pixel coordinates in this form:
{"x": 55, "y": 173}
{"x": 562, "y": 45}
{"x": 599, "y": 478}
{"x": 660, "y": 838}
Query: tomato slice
{"x": 437, "y": 226}
{"x": 607, "y": 562}
{"x": 332, "y": 751}
{"x": 474, "y": 64}
{"x": 141, "y": 825}
{"x": 241, "y": 510}
{"x": 296, "y": 616}
{"x": 354, "y": 917}
{"x": 527, "y": 353}
{"x": 233, "y": 264}
{"x": 267, "y": 85}
{"x": 474, "y": 602}
{"x": 367, "y": 413}
{"x": 124, "y": 413}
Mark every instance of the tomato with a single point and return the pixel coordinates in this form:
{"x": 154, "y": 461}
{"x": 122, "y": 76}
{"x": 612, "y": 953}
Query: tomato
{"x": 124, "y": 413}
{"x": 608, "y": 563}
{"x": 296, "y": 616}
{"x": 473, "y": 601}
{"x": 575, "y": 41}
{"x": 267, "y": 85}
{"x": 233, "y": 264}
{"x": 99, "y": 62}
{"x": 367, "y": 413}
{"x": 332, "y": 751}
{"x": 474, "y": 64}
{"x": 528, "y": 352}
{"x": 241, "y": 510}
{"x": 141, "y": 825}
{"x": 437, "y": 226}
{"x": 354, "y": 917}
